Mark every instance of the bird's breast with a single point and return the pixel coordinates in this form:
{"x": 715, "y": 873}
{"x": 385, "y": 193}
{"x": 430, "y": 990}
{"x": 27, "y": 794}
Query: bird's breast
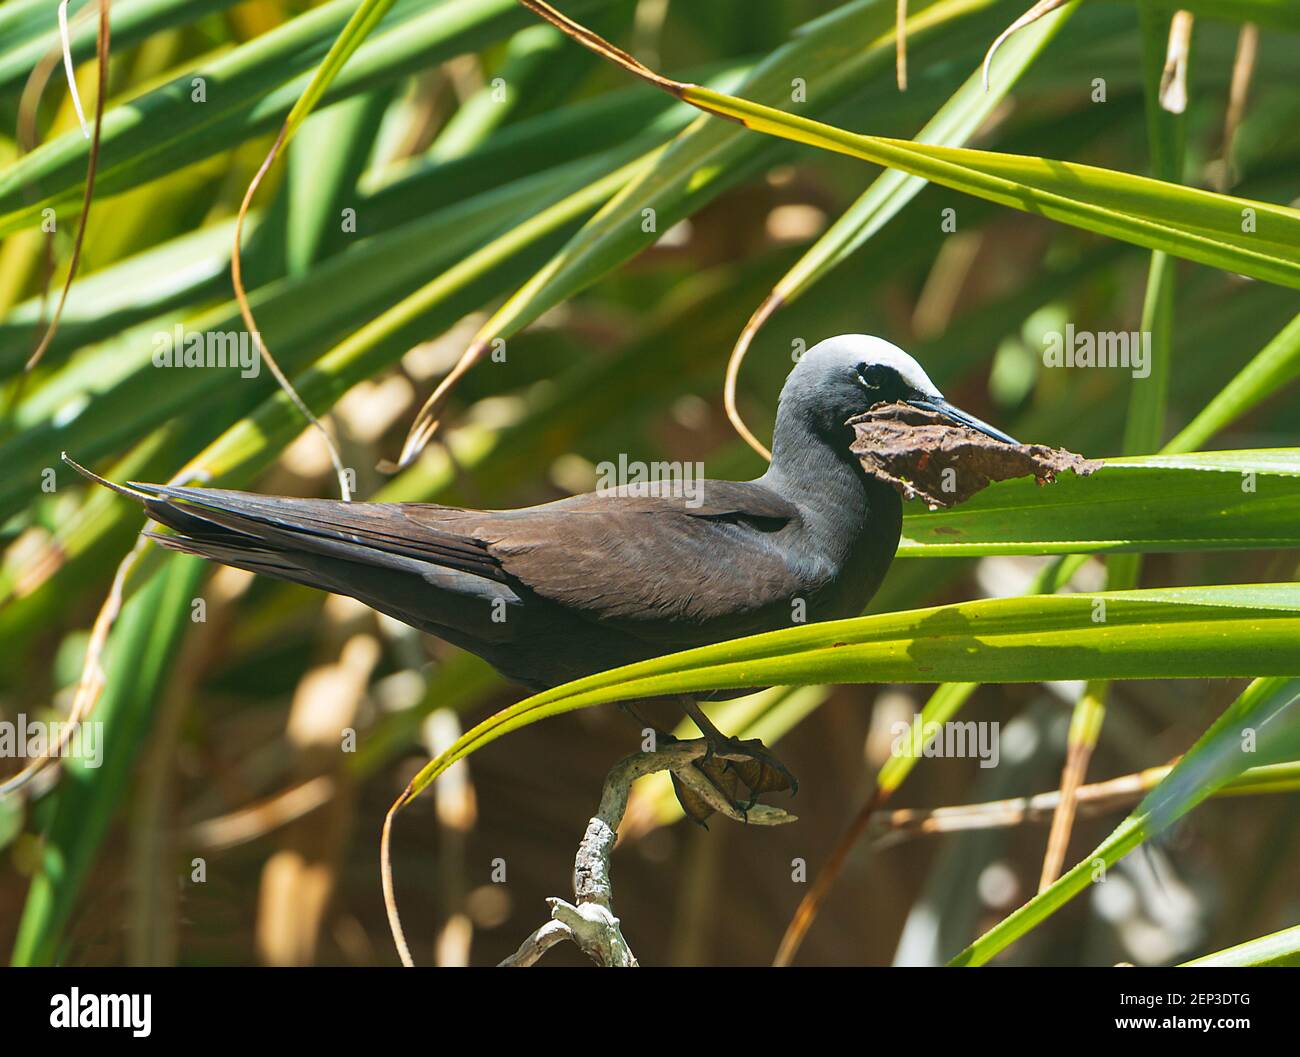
{"x": 854, "y": 552}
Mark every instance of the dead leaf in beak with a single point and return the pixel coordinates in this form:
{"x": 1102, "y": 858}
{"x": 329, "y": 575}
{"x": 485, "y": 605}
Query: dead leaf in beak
{"x": 926, "y": 456}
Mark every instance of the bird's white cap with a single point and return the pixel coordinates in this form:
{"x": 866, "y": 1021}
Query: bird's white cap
{"x": 855, "y": 349}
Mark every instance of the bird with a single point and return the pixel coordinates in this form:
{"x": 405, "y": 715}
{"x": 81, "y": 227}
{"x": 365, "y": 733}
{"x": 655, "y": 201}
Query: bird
{"x": 551, "y": 593}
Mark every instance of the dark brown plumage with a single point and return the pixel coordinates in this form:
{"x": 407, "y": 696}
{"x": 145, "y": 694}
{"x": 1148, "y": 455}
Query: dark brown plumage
{"x": 550, "y": 593}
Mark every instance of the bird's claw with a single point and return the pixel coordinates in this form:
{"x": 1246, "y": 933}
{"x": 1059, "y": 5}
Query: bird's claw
{"x": 741, "y": 771}
{"x": 751, "y": 751}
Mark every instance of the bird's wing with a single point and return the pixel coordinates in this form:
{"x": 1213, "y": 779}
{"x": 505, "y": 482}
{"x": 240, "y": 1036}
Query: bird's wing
{"x": 643, "y": 561}
{"x": 655, "y": 566}
{"x": 385, "y": 529}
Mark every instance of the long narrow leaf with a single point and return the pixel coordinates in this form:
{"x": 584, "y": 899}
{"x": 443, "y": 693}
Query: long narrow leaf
{"x": 1253, "y": 238}
{"x": 1230, "y": 499}
{"x": 1262, "y": 726}
{"x": 1204, "y": 631}
{"x": 1277, "y": 949}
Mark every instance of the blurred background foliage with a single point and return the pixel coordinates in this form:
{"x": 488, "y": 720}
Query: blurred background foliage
{"x": 453, "y": 155}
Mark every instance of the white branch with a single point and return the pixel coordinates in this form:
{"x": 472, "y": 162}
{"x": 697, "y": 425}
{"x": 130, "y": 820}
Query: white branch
{"x": 590, "y": 923}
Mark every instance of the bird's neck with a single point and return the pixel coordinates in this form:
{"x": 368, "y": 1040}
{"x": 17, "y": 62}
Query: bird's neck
{"x": 823, "y": 478}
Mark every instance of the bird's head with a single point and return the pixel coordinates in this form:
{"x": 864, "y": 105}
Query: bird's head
{"x": 852, "y": 373}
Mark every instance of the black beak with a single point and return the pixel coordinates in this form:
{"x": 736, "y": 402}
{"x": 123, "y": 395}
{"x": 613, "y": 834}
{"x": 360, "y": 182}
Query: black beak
{"x": 941, "y": 406}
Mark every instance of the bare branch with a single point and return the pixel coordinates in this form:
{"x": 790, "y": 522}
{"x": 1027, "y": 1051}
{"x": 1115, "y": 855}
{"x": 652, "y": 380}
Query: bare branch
{"x": 590, "y": 923}
{"x": 1173, "y": 79}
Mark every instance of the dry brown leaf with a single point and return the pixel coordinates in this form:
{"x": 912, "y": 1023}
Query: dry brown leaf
{"x": 926, "y": 456}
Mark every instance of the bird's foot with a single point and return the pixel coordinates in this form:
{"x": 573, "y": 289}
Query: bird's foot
{"x": 755, "y": 765}
{"x": 740, "y": 770}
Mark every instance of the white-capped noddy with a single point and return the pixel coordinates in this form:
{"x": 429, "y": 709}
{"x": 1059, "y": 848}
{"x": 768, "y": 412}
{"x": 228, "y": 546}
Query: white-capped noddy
{"x": 554, "y": 592}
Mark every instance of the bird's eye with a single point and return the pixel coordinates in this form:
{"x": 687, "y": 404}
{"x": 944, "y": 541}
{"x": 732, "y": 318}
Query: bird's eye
{"x": 873, "y": 375}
